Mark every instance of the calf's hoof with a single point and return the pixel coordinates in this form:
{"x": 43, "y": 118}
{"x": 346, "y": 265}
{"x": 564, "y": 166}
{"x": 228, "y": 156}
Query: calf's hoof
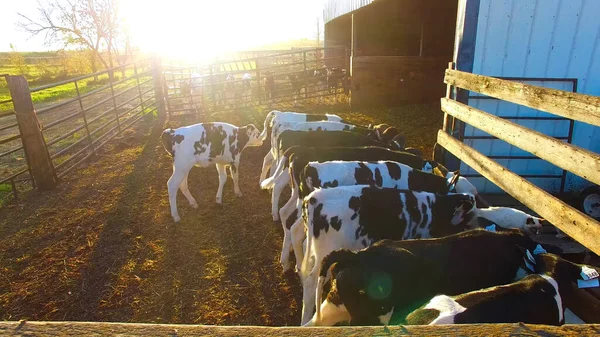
{"x": 176, "y": 218}
{"x": 194, "y": 205}
{"x": 275, "y": 218}
{"x": 239, "y": 193}
{"x": 219, "y": 201}
{"x": 285, "y": 266}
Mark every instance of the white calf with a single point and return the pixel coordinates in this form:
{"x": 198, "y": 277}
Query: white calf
{"x": 504, "y": 217}
{"x": 201, "y": 145}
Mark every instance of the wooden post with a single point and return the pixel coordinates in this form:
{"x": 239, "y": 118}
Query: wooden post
{"x": 159, "y": 93}
{"x": 34, "y": 145}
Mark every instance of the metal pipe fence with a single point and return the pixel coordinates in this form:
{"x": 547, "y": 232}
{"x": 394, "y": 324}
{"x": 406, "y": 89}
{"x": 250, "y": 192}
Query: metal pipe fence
{"x": 94, "y": 109}
{"x": 266, "y": 80}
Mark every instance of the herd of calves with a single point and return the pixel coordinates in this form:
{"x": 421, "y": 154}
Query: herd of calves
{"x": 388, "y": 237}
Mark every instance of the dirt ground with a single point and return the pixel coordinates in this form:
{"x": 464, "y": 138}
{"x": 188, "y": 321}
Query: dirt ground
{"x": 102, "y": 246}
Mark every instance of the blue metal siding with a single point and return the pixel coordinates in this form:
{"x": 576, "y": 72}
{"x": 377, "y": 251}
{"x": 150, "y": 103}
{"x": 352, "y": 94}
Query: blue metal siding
{"x": 537, "y": 39}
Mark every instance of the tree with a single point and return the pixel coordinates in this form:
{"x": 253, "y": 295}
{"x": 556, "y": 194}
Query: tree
{"x": 88, "y": 24}
{"x": 17, "y": 60}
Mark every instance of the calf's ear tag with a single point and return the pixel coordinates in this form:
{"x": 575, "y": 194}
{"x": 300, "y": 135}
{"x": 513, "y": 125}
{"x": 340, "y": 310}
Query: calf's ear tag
{"x": 530, "y": 257}
{"x": 491, "y": 228}
{"x": 539, "y": 250}
{"x": 528, "y": 265}
{"x": 588, "y": 273}
{"x": 581, "y": 284}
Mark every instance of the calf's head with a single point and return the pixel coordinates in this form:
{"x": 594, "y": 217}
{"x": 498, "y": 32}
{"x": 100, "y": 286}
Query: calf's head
{"x": 462, "y": 213}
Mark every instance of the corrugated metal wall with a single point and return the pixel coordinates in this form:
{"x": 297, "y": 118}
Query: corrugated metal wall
{"x": 543, "y": 39}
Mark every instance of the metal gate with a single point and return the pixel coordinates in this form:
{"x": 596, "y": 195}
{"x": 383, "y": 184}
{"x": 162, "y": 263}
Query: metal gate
{"x": 276, "y": 80}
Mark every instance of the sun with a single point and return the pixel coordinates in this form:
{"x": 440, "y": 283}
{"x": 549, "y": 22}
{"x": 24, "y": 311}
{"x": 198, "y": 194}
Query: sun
{"x": 203, "y": 29}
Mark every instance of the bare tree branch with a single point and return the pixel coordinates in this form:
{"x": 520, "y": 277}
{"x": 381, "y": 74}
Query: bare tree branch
{"x": 90, "y": 24}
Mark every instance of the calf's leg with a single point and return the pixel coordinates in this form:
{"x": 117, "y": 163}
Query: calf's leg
{"x": 234, "y": 172}
{"x": 297, "y": 236}
{"x": 267, "y": 163}
{"x": 173, "y": 184}
{"x": 186, "y": 191}
{"x": 222, "y": 180}
{"x": 280, "y": 183}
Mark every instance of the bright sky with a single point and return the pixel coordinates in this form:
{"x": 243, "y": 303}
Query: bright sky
{"x": 194, "y": 28}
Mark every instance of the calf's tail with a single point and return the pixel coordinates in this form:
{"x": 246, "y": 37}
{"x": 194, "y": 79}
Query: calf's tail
{"x": 167, "y": 141}
{"x": 270, "y": 182}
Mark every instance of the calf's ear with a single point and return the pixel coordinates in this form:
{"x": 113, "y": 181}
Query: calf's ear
{"x": 460, "y": 211}
{"x": 454, "y": 179}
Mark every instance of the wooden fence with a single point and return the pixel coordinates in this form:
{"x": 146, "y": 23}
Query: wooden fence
{"x": 581, "y": 162}
{"x": 24, "y": 328}
{"x": 46, "y": 132}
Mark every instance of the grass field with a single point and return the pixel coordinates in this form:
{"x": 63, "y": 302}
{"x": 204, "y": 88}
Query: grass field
{"x": 102, "y": 246}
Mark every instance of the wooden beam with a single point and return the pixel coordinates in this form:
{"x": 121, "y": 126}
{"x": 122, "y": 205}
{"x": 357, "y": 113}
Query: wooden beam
{"x": 36, "y": 152}
{"x": 583, "y": 163}
{"x": 24, "y": 328}
{"x": 574, "y": 223}
{"x": 583, "y": 108}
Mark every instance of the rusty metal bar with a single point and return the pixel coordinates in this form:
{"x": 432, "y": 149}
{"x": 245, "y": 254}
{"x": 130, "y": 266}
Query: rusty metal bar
{"x": 112, "y": 93}
{"x": 87, "y": 129}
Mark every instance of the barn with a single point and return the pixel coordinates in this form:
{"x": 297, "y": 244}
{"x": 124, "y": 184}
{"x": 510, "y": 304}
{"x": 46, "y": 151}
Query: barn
{"x": 398, "y": 48}
{"x": 554, "y": 44}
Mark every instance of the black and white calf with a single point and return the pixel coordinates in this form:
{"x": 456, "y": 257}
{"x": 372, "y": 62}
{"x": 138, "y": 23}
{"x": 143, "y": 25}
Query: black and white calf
{"x": 354, "y": 217}
{"x": 535, "y": 299}
{"x": 295, "y": 158}
{"x": 387, "y": 281}
{"x": 275, "y": 118}
{"x": 202, "y": 145}
{"x": 290, "y": 138}
{"x": 279, "y": 128}
{"x": 505, "y": 217}
{"x": 329, "y": 174}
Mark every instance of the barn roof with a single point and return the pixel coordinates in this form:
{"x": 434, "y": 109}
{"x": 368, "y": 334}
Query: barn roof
{"x": 337, "y": 8}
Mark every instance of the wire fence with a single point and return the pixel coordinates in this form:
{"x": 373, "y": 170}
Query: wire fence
{"x": 91, "y": 110}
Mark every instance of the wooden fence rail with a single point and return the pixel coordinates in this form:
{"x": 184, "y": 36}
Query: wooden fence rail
{"x": 577, "y": 225}
{"x": 133, "y": 329}
{"x": 579, "y": 161}
{"x": 583, "y": 108}
{"x": 584, "y": 163}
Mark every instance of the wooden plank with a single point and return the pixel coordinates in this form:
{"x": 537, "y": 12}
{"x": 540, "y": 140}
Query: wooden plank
{"x": 583, "y": 108}
{"x": 583, "y": 163}
{"x": 24, "y": 328}
{"x": 574, "y": 223}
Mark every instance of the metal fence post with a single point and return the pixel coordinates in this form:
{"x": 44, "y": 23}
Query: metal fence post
{"x": 158, "y": 85}
{"x": 305, "y": 75}
{"x": 31, "y": 133}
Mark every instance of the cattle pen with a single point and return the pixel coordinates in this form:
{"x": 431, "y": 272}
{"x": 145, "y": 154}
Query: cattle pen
{"x": 542, "y": 203}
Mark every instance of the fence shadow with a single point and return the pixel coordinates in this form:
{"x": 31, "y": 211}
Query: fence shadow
{"x": 120, "y": 234}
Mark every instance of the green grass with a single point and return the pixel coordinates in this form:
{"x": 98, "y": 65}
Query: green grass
{"x": 63, "y": 91}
